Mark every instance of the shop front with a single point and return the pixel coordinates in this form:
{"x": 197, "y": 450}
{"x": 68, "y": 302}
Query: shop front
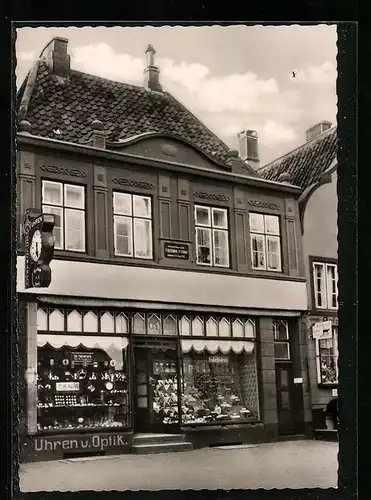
{"x": 105, "y": 375}
{"x": 324, "y": 372}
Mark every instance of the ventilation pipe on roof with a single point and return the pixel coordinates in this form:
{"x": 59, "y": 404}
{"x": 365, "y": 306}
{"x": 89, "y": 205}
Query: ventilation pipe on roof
{"x": 317, "y": 130}
{"x": 56, "y": 57}
{"x": 97, "y": 138}
{"x": 248, "y": 145}
{"x": 152, "y": 73}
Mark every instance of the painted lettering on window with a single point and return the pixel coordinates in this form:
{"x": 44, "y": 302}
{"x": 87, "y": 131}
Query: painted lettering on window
{"x": 92, "y": 442}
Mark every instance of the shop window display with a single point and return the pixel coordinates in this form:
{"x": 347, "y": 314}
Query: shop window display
{"x": 219, "y": 388}
{"x": 81, "y": 388}
{"x": 165, "y": 392}
{"x": 327, "y": 355}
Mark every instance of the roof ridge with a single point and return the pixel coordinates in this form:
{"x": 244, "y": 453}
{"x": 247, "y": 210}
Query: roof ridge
{"x": 302, "y": 146}
{"x": 84, "y": 73}
{"x": 199, "y": 120}
{"x": 28, "y": 88}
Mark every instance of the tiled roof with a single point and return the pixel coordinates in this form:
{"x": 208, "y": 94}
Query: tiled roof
{"x": 71, "y": 105}
{"x": 306, "y": 164}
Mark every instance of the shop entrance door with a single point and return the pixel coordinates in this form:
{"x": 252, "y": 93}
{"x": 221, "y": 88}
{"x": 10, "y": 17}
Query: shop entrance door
{"x": 284, "y": 384}
{"x": 156, "y": 391}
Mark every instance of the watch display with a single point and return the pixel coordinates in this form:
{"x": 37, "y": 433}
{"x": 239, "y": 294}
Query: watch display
{"x": 86, "y": 392}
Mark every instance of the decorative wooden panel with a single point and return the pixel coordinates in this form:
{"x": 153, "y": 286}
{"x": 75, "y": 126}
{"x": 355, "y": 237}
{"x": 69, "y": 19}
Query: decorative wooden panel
{"x": 184, "y": 221}
{"x": 241, "y": 238}
{"x": 183, "y": 189}
{"x": 164, "y": 189}
{"x": 100, "y": 226}
{"x": 292, "y": 245}
{"x": 100, "y": 176}
{"x": 165, "y": 219}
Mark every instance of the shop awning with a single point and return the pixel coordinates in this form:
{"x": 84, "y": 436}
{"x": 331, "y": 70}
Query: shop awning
{"x": 214, "y": 346}
{"x": 113, "y": 346}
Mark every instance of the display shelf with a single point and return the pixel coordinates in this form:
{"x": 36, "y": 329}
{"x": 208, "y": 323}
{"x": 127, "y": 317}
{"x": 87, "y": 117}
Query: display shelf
{"x": 81, "y": 406}
{"x": 77, "y": 428}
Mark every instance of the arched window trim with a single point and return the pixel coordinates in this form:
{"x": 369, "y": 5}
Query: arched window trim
{"x": 228, "y": 322}
{"x": 101, "y": 315}
{"x": 200, "y": 320}
{"x": 45, "y": 312}
{"x": 64, "y": 320}
{"x": 142, "y": 316}
{"x": 171, "y": 316}
{"x": 84, "y": 314}
{"x": 189, "y": 321}
{"x": 242, "y": 326}
{"x": 211, "y": 321}
{"x": 160, "y": 322}
{"x": 125, "y": 316}
{"x": 253, "y": 324}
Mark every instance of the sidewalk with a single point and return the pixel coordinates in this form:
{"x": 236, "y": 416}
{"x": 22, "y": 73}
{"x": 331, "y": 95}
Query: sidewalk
{"x": 295, "y": 464}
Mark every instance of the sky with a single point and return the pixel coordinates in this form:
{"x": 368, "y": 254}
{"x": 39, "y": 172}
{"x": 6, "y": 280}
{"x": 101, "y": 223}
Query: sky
{"x": 232, "y": 78}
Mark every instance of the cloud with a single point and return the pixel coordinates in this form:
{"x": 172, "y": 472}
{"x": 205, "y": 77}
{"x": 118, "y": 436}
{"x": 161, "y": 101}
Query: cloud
{"x": 190, "y": 82}
{"x": 228, "y": 103}
{"x": 27, "y": 56}
{"x": 101, "y": 60}
{"x": 324, "y": 74}
{"x": 269, "y": 132}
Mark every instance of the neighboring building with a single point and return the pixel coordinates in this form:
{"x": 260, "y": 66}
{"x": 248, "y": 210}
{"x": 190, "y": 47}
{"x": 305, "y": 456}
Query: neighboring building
{"x": 313, "y": 167}
{"x": 177, "y": 280}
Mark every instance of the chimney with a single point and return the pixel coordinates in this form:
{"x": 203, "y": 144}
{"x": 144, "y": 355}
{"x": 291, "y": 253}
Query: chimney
{"x": 317, "y": 130}
{"x": 56, "y": 57}
{"x": 152, "y": 73}
{"x": 248, "y": 145}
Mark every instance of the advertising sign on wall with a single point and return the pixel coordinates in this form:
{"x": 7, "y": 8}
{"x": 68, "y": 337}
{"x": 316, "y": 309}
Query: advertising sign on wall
{"x": 322, "y": 330}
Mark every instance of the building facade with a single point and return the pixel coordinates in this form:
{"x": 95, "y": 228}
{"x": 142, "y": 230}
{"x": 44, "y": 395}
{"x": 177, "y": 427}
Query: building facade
{"x": 178, "y": 282}
{"x": 314, "y": 168}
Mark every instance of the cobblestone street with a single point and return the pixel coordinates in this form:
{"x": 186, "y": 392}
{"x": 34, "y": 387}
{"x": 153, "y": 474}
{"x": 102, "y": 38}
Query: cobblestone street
{"x": 297, "y": 464}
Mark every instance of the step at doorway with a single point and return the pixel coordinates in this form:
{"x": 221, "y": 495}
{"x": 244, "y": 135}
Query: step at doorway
{"x": 146, "y": 443}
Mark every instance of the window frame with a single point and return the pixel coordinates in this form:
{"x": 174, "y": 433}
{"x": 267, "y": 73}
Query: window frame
{"x": 265, "y": 236}
{"x": 132, "y": 217}
{"x": 212, "y": 230}
{"x": 326, "y": 295}
{"x": 63, "y": 207}
{"x": 277, "y": 341}
{"x": 335, "y": 340}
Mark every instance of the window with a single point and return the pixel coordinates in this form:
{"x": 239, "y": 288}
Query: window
{"x": 132, "y": 216}
{"x": 219, "y": 388}
{"x": 325, "y": 277}
{"x": 265, "y": 242}
{"x": 67, "y": 203}
{"x": 327, "y": 358}
{"x": 212, "y": 242}
{"x": 83, "y": 387}
{"x": 281, "y": 340}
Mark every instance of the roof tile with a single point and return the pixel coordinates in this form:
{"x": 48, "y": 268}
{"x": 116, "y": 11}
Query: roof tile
{"x": 84, "y": 97}
{"x": 306, "y": 164}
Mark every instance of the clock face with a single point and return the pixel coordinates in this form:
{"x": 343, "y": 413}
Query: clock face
{"x": 35, "y": 246}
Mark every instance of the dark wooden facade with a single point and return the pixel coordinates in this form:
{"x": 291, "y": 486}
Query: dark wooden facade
{"x": 176, "y": 175}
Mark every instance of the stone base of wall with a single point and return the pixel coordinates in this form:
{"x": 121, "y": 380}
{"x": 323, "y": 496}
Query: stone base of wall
{"x": 318, "y": 418}
{"x": 205, "y": 436}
